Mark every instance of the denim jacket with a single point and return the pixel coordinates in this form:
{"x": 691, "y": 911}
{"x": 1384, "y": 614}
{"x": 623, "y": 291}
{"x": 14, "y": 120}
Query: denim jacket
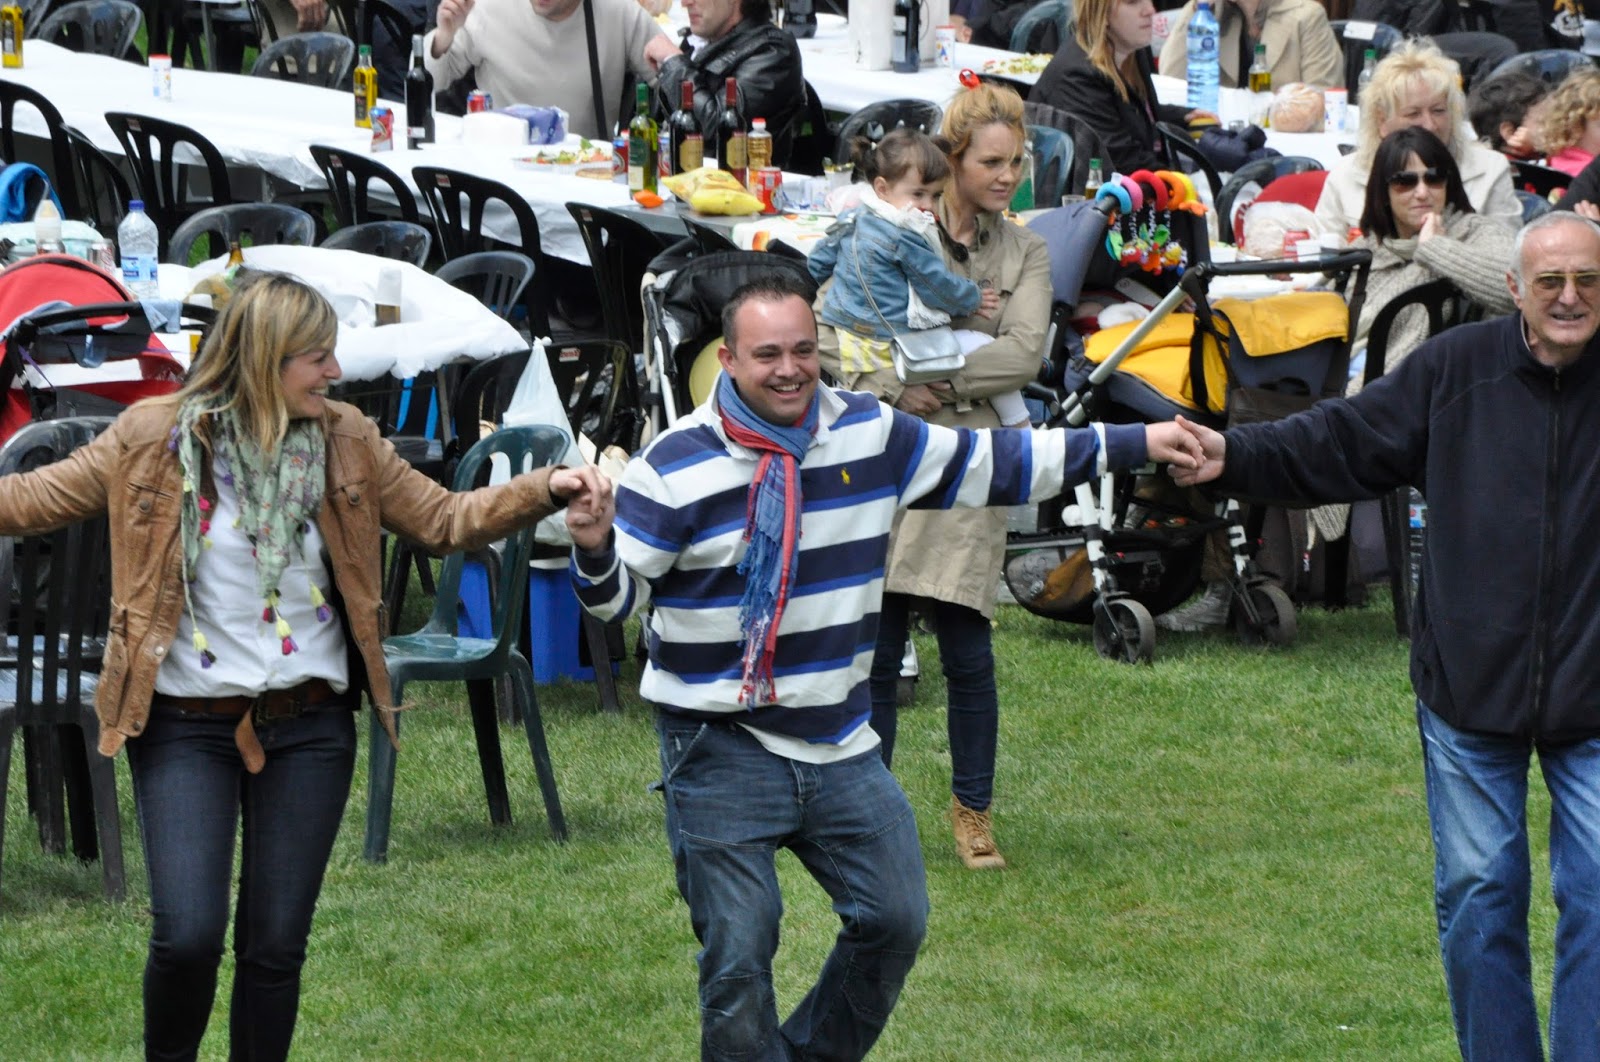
{"x": 890, "y": 259}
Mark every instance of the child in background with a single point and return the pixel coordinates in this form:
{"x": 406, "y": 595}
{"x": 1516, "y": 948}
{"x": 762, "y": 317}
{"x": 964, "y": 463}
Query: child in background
{"x": 1506, "y": 110}
{"x": 888, "y": 243}
{"x": 1570, "y": 131}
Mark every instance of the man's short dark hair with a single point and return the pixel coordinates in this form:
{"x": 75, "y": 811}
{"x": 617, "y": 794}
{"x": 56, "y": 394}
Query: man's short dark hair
{"x": 776, "y": 286}
{"x": 1501, "y": 99}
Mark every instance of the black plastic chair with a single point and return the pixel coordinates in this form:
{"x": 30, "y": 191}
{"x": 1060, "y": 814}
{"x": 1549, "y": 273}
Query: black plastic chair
{"x": 1446, "y": 307}
{"x": 1052, "y": 163}
{"x": 100, "y": 190}
{"x": 252, "y": 224}
{"x": 404, "y": 241}
{"x": 1551, "y": 65}
{"x": 708, "y": 239}
{"x": 498, "y": 279}
{"x": 48, "y": 666}
{"x": 1384, "y": 39}
{"x": 620, "y": 251}
{"x": 1029, "y": 33}
{"x": 437, "y": 654}
{"x": 1187, "y": 155}
{"x": 1260, "y": 172}
{"x": 457, "y": 202}
{"x": 321, "y": 59}
{"x": 378, "y": 22}
{"x": 153, "y": 147}
{"x": 33, "y": 12}
{"x": 1540, "y": 180}
{"x": 1087, "y": 144}
{"x": 99, "y": 27}
{"x": 350, "y": 175}
{"x": 813, "y": 141}
{"x": 877, "y": 120}
{"x": 60, "y": 172}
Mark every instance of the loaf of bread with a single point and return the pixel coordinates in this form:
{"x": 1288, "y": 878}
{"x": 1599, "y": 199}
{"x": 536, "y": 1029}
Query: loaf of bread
{"x": 1297, "y": 108}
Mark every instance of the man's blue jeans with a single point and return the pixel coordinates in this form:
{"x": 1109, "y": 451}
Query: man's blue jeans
{"x": 1477, "y": 800}
{"x": 731, "y": 805}
{"x": 191, "y": 788}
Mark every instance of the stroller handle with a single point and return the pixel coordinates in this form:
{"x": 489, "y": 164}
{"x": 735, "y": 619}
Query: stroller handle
{"x": 1196, "y": 276}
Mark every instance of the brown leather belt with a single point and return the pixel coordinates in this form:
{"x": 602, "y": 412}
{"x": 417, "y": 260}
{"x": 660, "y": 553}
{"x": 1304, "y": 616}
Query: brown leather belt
{"x": 312, "y": 695}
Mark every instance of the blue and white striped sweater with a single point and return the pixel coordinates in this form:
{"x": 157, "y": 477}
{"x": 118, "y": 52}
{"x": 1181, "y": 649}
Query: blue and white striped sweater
{"x": 680, "y": 536}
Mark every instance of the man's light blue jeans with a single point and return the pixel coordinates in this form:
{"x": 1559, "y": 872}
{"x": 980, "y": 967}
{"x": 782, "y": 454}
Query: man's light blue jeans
{"x": 1477, "y": 804}
{"x": 731, "y": 805}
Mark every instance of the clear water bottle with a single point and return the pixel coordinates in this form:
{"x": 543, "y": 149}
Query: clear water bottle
{"x": 1369, "y": 66}
{"x": 1416, "y": 539}
{"x": 1204, "y": 72}
{"x": 139, "y": 246}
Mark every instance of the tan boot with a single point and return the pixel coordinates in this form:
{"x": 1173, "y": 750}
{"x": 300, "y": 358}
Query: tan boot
{"x": 974, "y": 837}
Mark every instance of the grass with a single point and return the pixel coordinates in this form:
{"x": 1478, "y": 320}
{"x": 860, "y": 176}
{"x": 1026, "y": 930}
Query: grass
{"x": 1223, "y": 856}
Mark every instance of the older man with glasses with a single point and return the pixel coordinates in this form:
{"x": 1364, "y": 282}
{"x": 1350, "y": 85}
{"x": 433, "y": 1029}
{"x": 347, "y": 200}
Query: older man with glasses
{"x": 1496, "y": 424}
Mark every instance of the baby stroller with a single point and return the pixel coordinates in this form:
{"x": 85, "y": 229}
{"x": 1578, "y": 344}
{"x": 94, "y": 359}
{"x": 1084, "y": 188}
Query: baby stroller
{"x": 74, "y": 342}
{"x": 1123, "y": 549}
{"x": 683, "y": 321}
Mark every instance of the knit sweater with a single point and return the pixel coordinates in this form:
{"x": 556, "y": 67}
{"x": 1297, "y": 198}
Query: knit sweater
{"x": 679, "y": 539}
{"x": 1473, "y": 253}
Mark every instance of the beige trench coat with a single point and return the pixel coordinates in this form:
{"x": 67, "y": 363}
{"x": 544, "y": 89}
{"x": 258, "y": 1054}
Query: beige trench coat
{"x": 956, "y": 555}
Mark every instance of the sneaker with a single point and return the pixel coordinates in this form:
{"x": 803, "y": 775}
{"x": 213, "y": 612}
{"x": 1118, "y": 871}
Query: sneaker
{"x": 975, "y": 837}
{"x": 1208, "y": 610}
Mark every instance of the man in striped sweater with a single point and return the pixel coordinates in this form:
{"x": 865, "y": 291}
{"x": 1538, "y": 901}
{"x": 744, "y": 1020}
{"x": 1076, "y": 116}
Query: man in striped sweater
{"x": 758, "y": 526}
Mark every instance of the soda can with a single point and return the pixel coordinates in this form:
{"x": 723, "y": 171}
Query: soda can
{"x": 382, "y": 128}
{"x": 619, "y": 158}
{"x": 104, "y": 255}
{"x": 479, "y": 100}
{"x": 767, "y": 185}
{"x": 161, "y": 77}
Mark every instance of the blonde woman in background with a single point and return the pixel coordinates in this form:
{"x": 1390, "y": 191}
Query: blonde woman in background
{"x": 1569, "y": 132}
{"x": 1300, "y": 43}
{"x": 1416, "y": 84}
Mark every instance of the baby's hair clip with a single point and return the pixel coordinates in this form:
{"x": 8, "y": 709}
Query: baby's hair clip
{"x": 970, "y": 79}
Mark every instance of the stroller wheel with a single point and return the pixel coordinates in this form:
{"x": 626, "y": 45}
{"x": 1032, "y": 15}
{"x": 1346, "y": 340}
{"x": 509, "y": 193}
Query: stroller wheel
{"x": 1124, "y": 631}
{"x": 1265, "y": 617}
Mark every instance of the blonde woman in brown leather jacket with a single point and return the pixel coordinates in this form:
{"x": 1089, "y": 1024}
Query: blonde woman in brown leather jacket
{"x": 245, "y": 513}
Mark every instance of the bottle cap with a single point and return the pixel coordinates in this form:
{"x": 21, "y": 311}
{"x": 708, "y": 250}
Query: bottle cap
{"x": 136, "y": 204}
{"x": 760, "y": 123}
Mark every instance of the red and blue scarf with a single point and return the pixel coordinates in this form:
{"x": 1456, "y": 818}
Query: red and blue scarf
{"x": 772, "y": 528}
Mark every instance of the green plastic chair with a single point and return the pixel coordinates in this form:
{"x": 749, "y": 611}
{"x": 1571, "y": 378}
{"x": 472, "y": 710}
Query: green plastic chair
{"x": 437, "y": 653}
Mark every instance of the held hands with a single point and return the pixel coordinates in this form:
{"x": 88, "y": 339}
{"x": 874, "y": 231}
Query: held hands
{"x": 591, "y": 506}
{"x": 1206, "y": 459}
{"x": 452, "y": 14}
{"x": 1170, "y": 444}
{"x": 919, "y": 400}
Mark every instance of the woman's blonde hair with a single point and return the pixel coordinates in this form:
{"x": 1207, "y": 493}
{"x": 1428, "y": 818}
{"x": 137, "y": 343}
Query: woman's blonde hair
{"x": 1092, "y": 29}
{"x": 270, "y": 317}
{"x": 1567, "y": 111}
{"x": 974, "y": 108}
{"x": 1417, "y": 62}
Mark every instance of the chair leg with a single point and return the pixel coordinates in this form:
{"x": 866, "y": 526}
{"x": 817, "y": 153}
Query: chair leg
{"x": 41, "y": 753}
{"x": 594, "y": 633}
{"x": 486, "y": 730}
{"x": 522, "y": 674}
{"x": 76, "y": 748}
{"x": 8, "y": 727}
{"x": 380, "y": 785}
{"x": 394, "y": 594}
{"x": 102, "y": 772}
{"x": 1394, "y": 537}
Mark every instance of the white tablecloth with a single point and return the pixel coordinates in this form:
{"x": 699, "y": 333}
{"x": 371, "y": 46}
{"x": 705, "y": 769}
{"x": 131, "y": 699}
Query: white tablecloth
{"x": 1235, "y": 104}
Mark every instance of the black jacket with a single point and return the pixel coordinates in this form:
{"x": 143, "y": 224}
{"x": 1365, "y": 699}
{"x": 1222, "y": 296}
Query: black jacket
{"x": 1506, "y": 636}
{"x": 1070, "y": 84}
{"x": 766, "y": 62}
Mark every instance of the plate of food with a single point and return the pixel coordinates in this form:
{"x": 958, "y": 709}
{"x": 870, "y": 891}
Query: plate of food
{"x": 570, "y": 156}
{"x": 1032, "y": 64}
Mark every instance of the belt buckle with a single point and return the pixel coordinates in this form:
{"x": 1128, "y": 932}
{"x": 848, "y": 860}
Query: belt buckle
{"x": 291, "y": 704}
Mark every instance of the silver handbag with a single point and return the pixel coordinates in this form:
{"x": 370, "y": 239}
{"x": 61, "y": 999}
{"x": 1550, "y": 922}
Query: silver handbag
{"x": 928, "y": 355}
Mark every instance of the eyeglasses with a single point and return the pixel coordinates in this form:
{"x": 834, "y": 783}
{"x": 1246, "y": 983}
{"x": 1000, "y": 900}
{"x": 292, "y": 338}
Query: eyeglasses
{"x": 1406, "y": 180}
{"x": 1553, "y": 284}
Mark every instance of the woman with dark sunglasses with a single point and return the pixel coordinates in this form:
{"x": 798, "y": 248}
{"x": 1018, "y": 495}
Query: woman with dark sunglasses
{"x": 1420, "y": 226}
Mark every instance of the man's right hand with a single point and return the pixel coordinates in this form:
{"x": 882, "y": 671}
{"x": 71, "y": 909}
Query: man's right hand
{"x": 591, "y": 510}
{"x": 452, "y": 14}
{"x": 1214, "y": 451}
{"x": 918, "y": 400}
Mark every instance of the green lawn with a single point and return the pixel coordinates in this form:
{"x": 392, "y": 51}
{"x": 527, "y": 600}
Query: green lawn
{"x": 1224, "y": 856}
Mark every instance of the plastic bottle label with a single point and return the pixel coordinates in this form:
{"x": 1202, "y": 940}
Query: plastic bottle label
{"x": 138, "y": 270}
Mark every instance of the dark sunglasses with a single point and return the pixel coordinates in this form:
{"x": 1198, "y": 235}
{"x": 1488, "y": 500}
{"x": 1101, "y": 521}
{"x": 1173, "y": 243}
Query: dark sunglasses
{"x": 1406, "y": 180}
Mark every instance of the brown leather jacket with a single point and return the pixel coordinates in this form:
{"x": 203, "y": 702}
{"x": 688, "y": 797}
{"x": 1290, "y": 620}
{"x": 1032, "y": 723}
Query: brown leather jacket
{"x": 129, "y": 474}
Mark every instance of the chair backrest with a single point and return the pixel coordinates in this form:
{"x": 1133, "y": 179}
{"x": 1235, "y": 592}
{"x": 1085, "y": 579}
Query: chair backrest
{"x": 526, "y": 448}
{"x": 710, "y": 240}
{"x": 1030, "y": 34}
{"x": 1541, "y": 180}
{"x": 813, "y": 139}
{"x": 599, "y": 390}
{"x": 63, "y": 620}
{"x": 1355, "y": 37}
{"x": 1087, "y": 144}
{"x": 497, "y": 279}
{"x": 457, "y": 202}
{"x": 1533, "y": 205}
{"x": 100, "y": 191}
{"x": 1258, "y": 173}
{"x": 1551, "y": 65}
{"x": 1445, "y": 305}
{"x": 1052, "y": 162}
{"x": 404, "y": 241}
{"x": 350, "y": 175}
{"x": 321, "y": 59}
{"x": 100, "y": 27}
{"x": 1187, "y": 155}
{"x": 620, "y": 251}
{"x": 33, "y": 12}
{"x": 155, "y": 149}
{"x": 877, "y": 120}
{"x": 61, "y": 178}
{"x": 250, "y": 223}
